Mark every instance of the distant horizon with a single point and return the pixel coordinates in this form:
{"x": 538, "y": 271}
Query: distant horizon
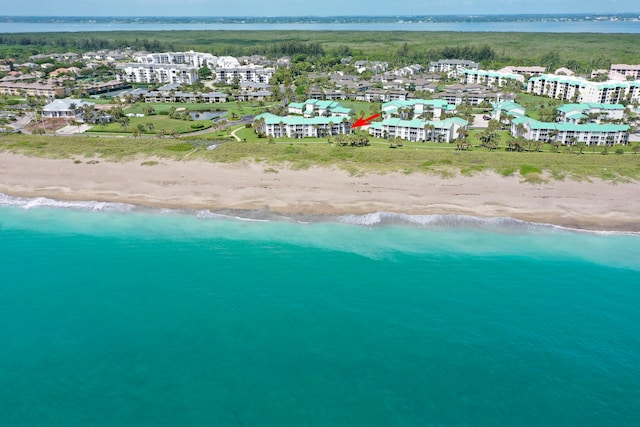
{"x": 469, "y": 15}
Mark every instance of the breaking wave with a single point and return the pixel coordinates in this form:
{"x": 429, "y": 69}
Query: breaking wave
{"x": 375, "y": 219}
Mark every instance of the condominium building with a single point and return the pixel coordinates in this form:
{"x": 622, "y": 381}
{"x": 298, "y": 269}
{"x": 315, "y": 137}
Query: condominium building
{"x": 415, "y": 108}
{"x": 556, "y": 86}
{"x": 531, "y": 71}
{"x": 301, "y": 127}
{"x": 593, "y": 112}
{"x": 315, "y": 107}
{"x": 490, "y": 78}
{"x": 446, "y": 65}
{"x": 629, "y": 71}
{"x": 569, "y": 130}
{"x": 195, "y": 59}
{"x": 582, "y": 90}
{"x": 157, "y": 73}
{"x": 418, "y": 130}
{"x": 570, "y": 133}
{"x": 250, "y": 73}
{"x": 16, "y": 88}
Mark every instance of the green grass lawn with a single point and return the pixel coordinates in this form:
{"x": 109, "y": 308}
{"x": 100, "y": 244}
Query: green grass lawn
{"x": 158, "y": 122}
{"x": 533, "y": 104}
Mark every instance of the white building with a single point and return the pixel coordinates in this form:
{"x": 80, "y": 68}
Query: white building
{"x": 446, "y": 65}
{"x": 581, "y": 113}
{"x": 67, "y": 108}
{"x": 318, "y": 108}
{"x": 490, "y": 78}
{"x": 249, "y": 73}
{"x": 418, "y": 130}
{"x": 629, "y": 71}
{"x": 415, "y": 108}
{"x": 582, "y": 90}
{"x": 301, "y": 127}
{"x": 195, "y": 59}
{"x": 569, "y": 133}
{"x": 157, "y": 73}
{"x": 531, "y": 71}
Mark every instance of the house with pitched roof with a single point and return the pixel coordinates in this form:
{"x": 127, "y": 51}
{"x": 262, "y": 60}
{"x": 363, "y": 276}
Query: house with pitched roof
{"x": 67, "y": 108}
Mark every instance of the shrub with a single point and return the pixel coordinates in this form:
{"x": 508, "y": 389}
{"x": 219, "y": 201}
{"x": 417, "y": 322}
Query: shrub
{"x": 179, "y": 147}
{"x": 197, "y": 126}
{"x": 290, "y": 150}
{"x": 619, "y": 151}
{"x": 526, "y": 169}
{"x": 164, "y": 113}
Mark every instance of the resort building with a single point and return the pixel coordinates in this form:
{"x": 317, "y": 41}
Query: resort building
{"x": 556, "y": 86}
{"x": 188, "y": 97}
{"x": 301, "y": 127}
{"x": 569, "y": 133}
{"x": 418, "y": 130}
{"x": 248, "y": 73}
{"x": 102, "y": 87}
{"x": 381, "y": 95}
{"x": 592, "y": 112}
{"x": 375, "y": 66}
{"x": 67, "y": 108}
{"x": 157, "y": 73}
{"x": 17, "y": 88}
{"x": 610, "y": 92}
{"x": 509, "y": 108}
{"x": 582, "y": 90}
{"x": 417, "y": 108}
{"x": 490, "y": 78}
{"x": 525, "y": 71}
{"x": 317, "y": 108}
{"x": 194, "y": 59}
{"x": 446, "y": 65}
{"x": 629, "y": 71}
{"x": 473, "y": 94}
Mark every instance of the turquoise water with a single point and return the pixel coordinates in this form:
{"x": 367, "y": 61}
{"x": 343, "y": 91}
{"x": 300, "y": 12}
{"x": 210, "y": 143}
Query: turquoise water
{"x": 120, "y": 316}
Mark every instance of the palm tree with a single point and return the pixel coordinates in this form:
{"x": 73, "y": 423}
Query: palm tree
{"x": 462, "y": 133}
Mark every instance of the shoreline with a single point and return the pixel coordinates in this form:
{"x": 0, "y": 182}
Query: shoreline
{"x": 237, "y": 187}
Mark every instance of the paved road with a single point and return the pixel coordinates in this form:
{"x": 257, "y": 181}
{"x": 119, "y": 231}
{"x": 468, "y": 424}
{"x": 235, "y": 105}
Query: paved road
{"x": 21, "y": 122}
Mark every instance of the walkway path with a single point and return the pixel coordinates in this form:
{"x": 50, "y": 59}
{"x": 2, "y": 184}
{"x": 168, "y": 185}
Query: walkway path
{"x": 233, "y": 134}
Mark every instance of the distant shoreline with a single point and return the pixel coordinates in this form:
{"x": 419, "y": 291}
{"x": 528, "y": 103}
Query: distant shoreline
{"x": 250, "y": 186}
{"x": 628, "y": 23}
{"x": 337, "y": 19}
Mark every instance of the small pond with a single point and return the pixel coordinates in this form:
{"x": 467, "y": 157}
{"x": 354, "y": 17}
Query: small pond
{"x": 206, "y": 115}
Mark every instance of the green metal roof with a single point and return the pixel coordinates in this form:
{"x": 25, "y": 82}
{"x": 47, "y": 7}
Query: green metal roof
{"x": 420, "y": 124}
{"x": 589, "y": 127}
{"x": 272, "y": 119}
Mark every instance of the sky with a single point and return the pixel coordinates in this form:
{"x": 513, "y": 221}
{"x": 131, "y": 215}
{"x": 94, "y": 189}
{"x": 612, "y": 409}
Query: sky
{"x": 308, "y": 8}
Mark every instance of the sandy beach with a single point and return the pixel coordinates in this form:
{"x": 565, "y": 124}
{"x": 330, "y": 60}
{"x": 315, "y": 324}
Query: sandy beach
{"x": 595, "y": 205}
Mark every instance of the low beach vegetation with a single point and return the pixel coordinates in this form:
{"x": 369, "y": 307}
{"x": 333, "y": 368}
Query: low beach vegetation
{"x": 413, "y": 157}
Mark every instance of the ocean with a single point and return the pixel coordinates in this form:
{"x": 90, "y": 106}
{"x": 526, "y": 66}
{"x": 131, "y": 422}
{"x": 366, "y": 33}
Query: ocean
{"x": 113, "y": 315}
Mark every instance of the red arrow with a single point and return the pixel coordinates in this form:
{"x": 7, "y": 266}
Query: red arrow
{"x": 364, "y": 122}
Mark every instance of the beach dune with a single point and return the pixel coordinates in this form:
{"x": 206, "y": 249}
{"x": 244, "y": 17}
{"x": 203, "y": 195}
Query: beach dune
{"x": 595, "y": 205}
